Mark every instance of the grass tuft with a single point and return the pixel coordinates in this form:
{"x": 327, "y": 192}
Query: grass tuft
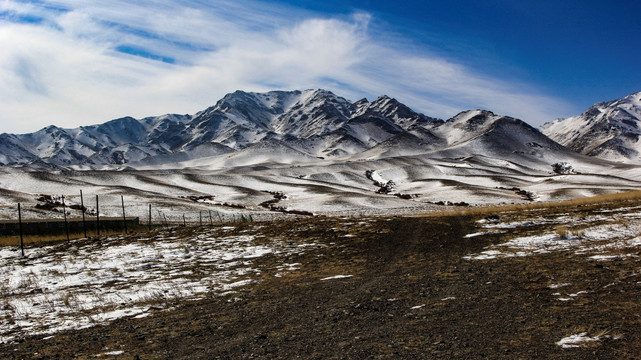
{"x": 563, "y": 231}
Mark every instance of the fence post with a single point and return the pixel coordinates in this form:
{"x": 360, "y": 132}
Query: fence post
{"x": 184, "y": 221}
{"x": 64, "y": 212}
{"x": 97, "y": 216}
{"x": 20, "y": 229}
{"x": 200, "y": 213}
{"x": 149, "y": 217}
{"x": 211, "y": 222}
{"x": 82, "y": 208}
{"x": 124, "y": 217}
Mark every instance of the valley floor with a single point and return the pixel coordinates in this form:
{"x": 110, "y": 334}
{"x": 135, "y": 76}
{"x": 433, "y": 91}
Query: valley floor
{"x": 561, "y": 282}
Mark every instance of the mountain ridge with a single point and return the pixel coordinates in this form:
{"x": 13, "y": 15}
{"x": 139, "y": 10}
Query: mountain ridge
{"x": 307, "y": 125}
{"x": 301, "y": 119}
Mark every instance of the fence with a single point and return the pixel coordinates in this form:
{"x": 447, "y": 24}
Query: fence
{"x": 92, "y": 222}
{"x": 59, "y": 227}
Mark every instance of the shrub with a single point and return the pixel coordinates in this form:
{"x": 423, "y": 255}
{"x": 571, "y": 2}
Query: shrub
{"x": 563, "y": 168}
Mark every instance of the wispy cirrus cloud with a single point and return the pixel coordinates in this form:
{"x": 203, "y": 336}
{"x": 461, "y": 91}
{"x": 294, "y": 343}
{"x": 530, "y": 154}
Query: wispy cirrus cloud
{"x": 73, "y": 63}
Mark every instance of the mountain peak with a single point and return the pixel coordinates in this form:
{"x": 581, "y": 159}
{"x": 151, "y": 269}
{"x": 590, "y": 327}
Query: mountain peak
{"x": 471, "y": 119}
{"x": 383, "y": 98}
{"x": 321, "y": 92}
{"x": 475, "y": 112}
{"x": 610, "y": 130}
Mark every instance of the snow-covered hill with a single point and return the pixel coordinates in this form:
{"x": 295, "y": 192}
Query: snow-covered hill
{"x": 609, "y": 130}
{"x": 482, "y": 132}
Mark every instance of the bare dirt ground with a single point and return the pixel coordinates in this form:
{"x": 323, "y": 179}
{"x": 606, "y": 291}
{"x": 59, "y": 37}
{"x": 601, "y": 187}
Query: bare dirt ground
{"x": 398, "y": 287}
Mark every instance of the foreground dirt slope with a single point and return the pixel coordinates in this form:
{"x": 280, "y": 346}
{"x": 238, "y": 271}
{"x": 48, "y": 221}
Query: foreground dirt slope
{"x": 406, "y": 292}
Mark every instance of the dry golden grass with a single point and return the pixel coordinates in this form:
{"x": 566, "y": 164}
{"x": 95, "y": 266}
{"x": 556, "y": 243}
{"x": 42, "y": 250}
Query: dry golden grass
{"x": 628, "y": 196}
{"x": 41, "y": 239}
{"x": 562, "y": 231}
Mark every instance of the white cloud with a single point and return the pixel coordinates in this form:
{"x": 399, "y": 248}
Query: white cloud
{"x": 66, "y": 69}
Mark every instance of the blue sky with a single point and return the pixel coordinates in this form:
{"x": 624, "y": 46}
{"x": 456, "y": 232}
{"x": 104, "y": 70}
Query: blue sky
{"x": 581, "y": 50}
{"x": 78, "y": 62}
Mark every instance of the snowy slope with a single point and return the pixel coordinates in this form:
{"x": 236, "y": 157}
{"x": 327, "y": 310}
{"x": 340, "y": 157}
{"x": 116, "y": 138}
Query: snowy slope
{"x": 398, "y": 113}
{"x": 507, "y": 139}
{"x": 315, "y": 113}
{"x": 12, "y": 151}
{"x": 609, "y": 130}
{"x": 241, "y": 119}
{"x": 403, "y": 144}
{"x": 264, "y": 153}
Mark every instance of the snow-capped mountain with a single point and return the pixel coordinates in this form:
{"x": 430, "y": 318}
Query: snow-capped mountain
{"x": 115, "y": 142}
{"x": 280, "y": 127}
{"x": 316, "y": 123}
{"x": 609, "y": 130}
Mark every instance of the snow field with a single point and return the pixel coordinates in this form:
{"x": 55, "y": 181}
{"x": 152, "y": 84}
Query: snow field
{"x": 84, "y": 283}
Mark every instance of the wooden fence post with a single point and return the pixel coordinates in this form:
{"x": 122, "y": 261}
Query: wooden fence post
{"x": 64, "y": 212}
{"x": 124, "y": 217}
{"x": 97, "y": 216}
{"x": 211, "y": 222}
{"x": 149, "y": 217}
{"x": 20, "y": 229}
{"x": 184, "y": 221}
{"x": 200, "y": 213}
{"x": 82, "y": 208}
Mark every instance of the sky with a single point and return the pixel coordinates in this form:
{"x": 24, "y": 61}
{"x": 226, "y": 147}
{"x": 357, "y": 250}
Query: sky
{"x": 79, "y": 62}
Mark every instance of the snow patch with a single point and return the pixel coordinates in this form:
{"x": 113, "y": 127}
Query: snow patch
{"x": 577, "y": 340}
{"x": 337, "y": 277}
{"x": 557, "y": 286}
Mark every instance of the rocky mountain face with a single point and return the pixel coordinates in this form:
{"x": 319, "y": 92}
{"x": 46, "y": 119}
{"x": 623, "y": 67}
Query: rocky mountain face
{"x": 279, "y": 126}
{"x": 115, "y": 142}
{"x": 608, "y": 130}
